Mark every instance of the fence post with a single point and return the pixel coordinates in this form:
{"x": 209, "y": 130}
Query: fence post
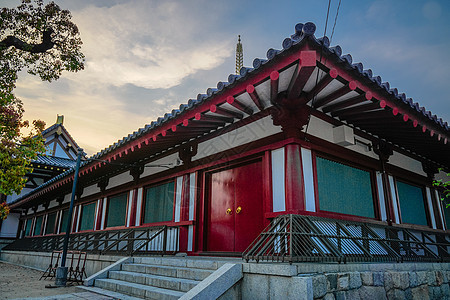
{"x": 165, "y": 240}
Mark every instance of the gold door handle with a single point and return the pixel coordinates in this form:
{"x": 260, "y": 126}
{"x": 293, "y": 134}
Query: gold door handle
{"x": 238, "y": 210}
{"x": 229, "y": 211}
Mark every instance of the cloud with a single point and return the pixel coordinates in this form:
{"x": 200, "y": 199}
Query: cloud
{"x": 149, "y": 44}
{"x": 135, "y": 52}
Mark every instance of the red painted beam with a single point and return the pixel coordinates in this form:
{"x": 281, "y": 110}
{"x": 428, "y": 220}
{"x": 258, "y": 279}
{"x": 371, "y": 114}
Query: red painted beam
{"x": 250, "y": 89}
{"x": 351, "y": 86}
{"x": 356, "y": 110}
{"x": 274, "y": 79}
{"x": 226, "y": 112}
{"x": 213, "y": 119}
{"x": 239, "y": 105}
{"x": 323, "y": 83}
{"x": 346, "y": 103}
{"x": 305, "y": 68}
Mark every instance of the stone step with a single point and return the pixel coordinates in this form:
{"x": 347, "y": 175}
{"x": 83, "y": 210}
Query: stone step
{"x": 137, "y": 290}
{"x": 172, "y": 283}
{"x": 181, "y": 262}
{"x": 107, "y": 293}
{"x": 168, "y": 271}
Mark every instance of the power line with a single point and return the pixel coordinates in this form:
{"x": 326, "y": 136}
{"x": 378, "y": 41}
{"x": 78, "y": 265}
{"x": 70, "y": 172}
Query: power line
{"x": 320, "y": 60}
{"x": 335, "y": 20}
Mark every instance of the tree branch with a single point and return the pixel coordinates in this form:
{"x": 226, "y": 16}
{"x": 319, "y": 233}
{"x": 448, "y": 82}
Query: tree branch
{"x": 46, "y": 44}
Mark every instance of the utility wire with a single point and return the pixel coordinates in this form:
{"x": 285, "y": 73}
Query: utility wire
{"x": 335, "y": 20}
{"x": 320, "y": 60}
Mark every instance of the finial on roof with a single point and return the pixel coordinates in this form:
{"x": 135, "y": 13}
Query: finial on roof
{"x": 239, "y": 55}
{"x": 59, "y": 119}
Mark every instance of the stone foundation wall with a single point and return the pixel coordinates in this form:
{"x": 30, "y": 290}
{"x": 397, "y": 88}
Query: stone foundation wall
{"x": 356, "y": 281}
{"x": 382, "y": 285}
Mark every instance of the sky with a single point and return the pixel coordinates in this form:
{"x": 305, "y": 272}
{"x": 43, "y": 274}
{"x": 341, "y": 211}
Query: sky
{"x": 146, "y": 57}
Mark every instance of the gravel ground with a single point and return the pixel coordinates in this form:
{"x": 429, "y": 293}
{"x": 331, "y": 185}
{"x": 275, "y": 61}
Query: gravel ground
{"x": 20, "y": 282}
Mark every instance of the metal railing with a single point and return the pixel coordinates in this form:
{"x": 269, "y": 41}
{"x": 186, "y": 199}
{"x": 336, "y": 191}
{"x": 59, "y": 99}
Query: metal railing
{"x": 141, "y": 240}
{"x": 297, "y": 238}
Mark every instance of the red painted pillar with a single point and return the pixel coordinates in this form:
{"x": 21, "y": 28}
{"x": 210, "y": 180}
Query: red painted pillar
{"x": 98, "y": 222}
{"x": 133, "y": 208}
{"x": 295, "y": 194}
{"x": 184, "y": 212}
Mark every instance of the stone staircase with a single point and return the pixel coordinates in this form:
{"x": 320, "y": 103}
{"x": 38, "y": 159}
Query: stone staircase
{"x": 157, "y": 278}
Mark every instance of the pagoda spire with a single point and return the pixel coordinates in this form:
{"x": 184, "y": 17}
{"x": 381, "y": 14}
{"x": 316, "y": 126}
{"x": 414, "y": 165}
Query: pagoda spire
{"x": 239, "y": 56}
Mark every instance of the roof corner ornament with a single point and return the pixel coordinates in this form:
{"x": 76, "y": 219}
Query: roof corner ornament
{"x": 60, "y": 119}
{"x": 239, "y": 56}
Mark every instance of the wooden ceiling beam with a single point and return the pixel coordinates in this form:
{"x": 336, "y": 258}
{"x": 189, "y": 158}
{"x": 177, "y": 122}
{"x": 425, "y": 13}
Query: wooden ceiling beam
{"x": 356, "y": 110}
{"x": 347, "y": 103}
{"x": 250, "y": 89}
{"x": 239, "y": 105}
{"x": 226, "y": 112}
{"x": 212, "y": 119}
{"x": 351, "y": 86}
{"x": 323, "y": 83}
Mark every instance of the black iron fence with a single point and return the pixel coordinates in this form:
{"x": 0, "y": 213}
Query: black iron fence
{"x": 296, "y": 238}
{"x": 141, "y": 240}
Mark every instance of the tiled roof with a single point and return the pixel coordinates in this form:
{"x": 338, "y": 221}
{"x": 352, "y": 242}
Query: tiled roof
{"x": 54, "y": 161}
{"x": 54, "y": 126}
{"x": 302, "y": 33}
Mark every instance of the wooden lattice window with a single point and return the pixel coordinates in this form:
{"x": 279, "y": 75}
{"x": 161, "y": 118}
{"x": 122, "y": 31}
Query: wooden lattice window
{"x": 412, "y": 203}
{"x": 38, "y": 225}
{"x": 117, "y": 210}
{"x": 87, "y": 217}
{"x": 158, "y": 204}
{"x": 344, "y": 189}
{"x": 51, "y": 220}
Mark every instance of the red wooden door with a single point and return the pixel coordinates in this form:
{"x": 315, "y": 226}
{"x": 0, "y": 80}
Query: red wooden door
{"x": 235, "y": 208}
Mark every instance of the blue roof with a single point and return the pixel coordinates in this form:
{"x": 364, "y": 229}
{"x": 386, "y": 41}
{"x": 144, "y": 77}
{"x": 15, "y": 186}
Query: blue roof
{"x": 60, "y": 162}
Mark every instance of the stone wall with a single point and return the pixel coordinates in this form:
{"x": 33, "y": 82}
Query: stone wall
{"x": 359, "y": 281}
{"x": 382, "y": 285}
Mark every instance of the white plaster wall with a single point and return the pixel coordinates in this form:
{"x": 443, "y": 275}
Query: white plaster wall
{"x": 257, "y": 130}
{"x": 408, "y": 163}
{"x": 321, "y": 129}
{"x": 52, "y": 204}
{"x": 9, "y": 226}
{"x": 91, "y": 190}
{"x": 170, "y": 159}
{"x": 119, "y": 179}
{"x": 67, "y": 198}
{"x": 40, "y": 208}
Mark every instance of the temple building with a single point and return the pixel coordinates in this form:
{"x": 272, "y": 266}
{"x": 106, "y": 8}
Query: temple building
{"x": 303, "y": 132}
{"x": 60, "y": 155}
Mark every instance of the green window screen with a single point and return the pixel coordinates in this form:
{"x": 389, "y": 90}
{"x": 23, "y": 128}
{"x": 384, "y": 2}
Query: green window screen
{"x": 87, "y": 217}
{"x": 445, "y": 202}
{"x": 159, "y": 203}
{"x": 38, "y": 226}
{"x": 344, "y": 189}
{"x": 28, "y": 227}
{"x": 64, "y": 221}
{"x": 117, "y": 211}
{"x": 412, "y": 206}
{"x": 51, "y": 219}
